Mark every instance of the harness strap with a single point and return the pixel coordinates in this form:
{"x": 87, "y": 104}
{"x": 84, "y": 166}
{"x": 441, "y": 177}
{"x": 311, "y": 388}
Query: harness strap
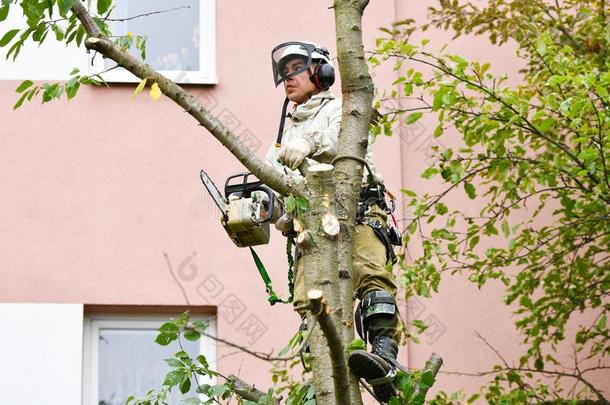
{"x": 273, "y": 297}
{"x": 382, "y": 235}
{"x": 377, "y": 300}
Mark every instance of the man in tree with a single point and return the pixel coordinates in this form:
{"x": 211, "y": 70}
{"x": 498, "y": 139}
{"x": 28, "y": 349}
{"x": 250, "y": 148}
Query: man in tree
{"x": 305, "y": 69}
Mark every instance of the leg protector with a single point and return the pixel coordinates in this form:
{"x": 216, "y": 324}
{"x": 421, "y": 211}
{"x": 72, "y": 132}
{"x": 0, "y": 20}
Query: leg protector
{"x": 374, "y": 307}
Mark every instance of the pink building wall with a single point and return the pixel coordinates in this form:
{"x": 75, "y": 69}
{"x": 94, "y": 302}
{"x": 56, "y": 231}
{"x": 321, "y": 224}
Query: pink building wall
{"x": 94, "y": 191}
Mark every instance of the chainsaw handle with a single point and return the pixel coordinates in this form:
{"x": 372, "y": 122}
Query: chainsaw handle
{"x": 271, "y": 196}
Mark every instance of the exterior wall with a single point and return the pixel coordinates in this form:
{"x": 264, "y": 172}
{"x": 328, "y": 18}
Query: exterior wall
{"x": 96, "y": 190}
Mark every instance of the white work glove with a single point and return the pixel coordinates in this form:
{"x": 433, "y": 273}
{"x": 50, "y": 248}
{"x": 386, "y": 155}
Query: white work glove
{"x": 293, "y": 153}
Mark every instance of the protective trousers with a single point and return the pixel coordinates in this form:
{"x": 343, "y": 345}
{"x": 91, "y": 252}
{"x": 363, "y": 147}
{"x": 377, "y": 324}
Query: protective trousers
{"x": 371, "y": 272}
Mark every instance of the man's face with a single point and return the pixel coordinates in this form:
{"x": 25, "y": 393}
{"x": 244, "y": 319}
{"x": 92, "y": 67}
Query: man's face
{"x": 298, "y": 87}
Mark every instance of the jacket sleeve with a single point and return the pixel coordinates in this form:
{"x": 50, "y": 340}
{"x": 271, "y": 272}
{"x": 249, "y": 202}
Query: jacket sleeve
{"x": 325, "y": 134}
{"x": 369, "y": 160}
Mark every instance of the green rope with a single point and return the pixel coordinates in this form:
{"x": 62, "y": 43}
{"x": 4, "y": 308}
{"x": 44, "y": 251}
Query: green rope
{"x": 289, "y": 244}
{"x": 273, "y": 297}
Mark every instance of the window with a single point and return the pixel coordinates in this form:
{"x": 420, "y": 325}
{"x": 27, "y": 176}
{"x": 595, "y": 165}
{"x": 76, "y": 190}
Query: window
{"x": 41, "y": 353}
{"x": 181, "y": 44}
{"x": 180, "y": 38}
{"x": 121, "y": 357}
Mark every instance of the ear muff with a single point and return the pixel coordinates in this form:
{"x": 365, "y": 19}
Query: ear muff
{"x": 323, "y": 76}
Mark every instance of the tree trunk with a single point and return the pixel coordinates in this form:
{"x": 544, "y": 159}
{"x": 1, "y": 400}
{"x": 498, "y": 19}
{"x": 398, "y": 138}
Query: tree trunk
{"x": 357, "y": 91}
{"x": 319, "y": 261}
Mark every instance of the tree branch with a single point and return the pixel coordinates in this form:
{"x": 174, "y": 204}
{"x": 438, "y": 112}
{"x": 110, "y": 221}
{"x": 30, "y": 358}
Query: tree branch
{"x": 321, "y": 312}
{"x": 249, "y": 392}
{"x": 274, "y": 179}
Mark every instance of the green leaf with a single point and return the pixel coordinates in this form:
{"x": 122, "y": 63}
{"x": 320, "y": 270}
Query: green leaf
{"x": 24, "y": 85}
{"x": 182, "y": 355}
{"x": 408, "y": 192}
{"x": 174, "y": 363}
{"x": 441, "y": 208}
{"x": 438, "y": 131}
{"x": 218, "y": 390}
{"x": 428, "y": 378}
{"x": 201, "y": 359}
{"x": 429, "y": 172}
{"x": 173, "y": 377}
{"x": 200, "y": 326}
{"x": 164, "y": 339}
{"x": 414, "y": 117}
{"x": 420, "y": 325}
{"x": 103, "y": 6}
{"x": 601, "y": 325}
{"x": 547, "y": 124}
{"x": 185, "y": 384}
{"x": 72, "y": 90}
{"x": 64, "y": 6}
{"x": 473, "y": 398}
{"x": 59, "y": 32}
{"x": 168, "y": 327}
{"x": 8, "y": 37}
{"x": 505, "y": 228}
{"x": 302, "y": 203}
{"x": 192, "y": 335}
{"x": 290, "y": 203}
{"x": 4, "y": 12}
{"x": 356, "y": 344}
{"x": 20, "y": 101}
{"x": 470, "y": 190}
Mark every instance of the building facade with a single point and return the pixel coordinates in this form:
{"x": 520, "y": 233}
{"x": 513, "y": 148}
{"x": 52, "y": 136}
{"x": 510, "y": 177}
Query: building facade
{"x": 107, "y": 230}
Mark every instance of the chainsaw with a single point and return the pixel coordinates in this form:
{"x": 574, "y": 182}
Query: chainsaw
{"x": 247, "y": 208}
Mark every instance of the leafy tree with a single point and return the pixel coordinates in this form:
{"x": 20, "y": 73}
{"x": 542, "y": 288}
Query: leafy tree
{"x": 540, "y": 150}
{"x": 79, "y": 22}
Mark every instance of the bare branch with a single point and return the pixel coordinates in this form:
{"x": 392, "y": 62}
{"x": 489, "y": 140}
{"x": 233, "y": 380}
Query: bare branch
{"x": 147, "y": 14}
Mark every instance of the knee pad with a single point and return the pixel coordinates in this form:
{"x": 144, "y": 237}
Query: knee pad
{"x": 374, "y": 305}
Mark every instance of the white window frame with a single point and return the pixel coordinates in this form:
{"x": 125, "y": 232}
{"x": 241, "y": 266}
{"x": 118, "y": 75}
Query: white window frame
{"x": 207, "y": 54}
{"x": 92, "y": 326}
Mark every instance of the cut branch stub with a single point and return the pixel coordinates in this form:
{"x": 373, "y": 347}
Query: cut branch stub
{"x": 330, "y": 224}
{"x": 249, "y": 392}
{"x": 304, "y": 240}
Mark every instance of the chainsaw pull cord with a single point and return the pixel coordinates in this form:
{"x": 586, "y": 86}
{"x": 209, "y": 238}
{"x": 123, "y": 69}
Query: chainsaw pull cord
{"x": 273, "y": 297}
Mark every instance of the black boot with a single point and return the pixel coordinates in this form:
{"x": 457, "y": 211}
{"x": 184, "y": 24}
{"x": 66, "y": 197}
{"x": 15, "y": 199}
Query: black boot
{"x": 378, "y": 368}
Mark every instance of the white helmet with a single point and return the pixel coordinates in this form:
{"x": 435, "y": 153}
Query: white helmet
{"x": 304, "y": 50}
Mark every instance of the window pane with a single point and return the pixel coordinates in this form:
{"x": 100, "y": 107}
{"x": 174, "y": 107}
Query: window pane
{"x": 173, "y": 36}
{"x": 131, "y": 363}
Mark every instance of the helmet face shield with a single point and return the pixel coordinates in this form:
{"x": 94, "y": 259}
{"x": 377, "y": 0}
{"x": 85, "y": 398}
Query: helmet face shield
{"x": 290, "y": 59}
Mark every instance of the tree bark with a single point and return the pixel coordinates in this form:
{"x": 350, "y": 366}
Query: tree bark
{"x": 247, "y": 391}
{"x": 319, "y": 261}
{"x": 357, "y": 90}
{"x": 321, "y": 311}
